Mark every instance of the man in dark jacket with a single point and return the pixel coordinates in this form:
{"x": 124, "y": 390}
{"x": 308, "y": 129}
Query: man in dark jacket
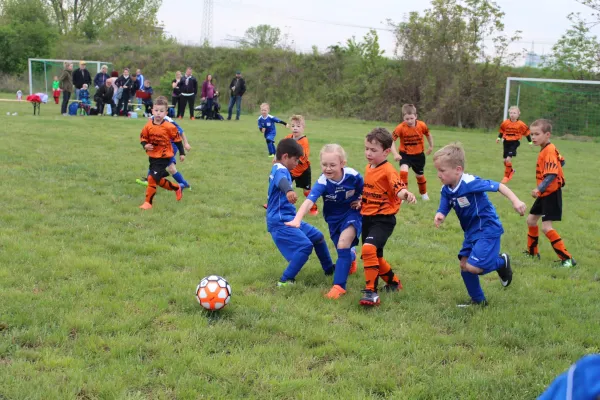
{"x": 104, "y": 95}
{"x": 189, "y": 88}
{"x": 238, "y": 88}
{"x": 123, "y": 83}
{"x": 80, "y": 76}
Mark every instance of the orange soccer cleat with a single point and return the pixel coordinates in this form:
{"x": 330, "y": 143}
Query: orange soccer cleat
{"x": 353, "y": 268}
{"x": 336, "y": 292}
{"x": 179, "y": 193}
{"x": 146, "y": 206}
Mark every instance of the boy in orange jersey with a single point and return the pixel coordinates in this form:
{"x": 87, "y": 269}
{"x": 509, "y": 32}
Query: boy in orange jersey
{"x": 156, "y": 139}
{"x": 411, "y": 152}
{"x": 301, "y": 174}
{"x": 382, "y": 193}
{"x": 511, "y": 131}
{"x": 547, "y": 194}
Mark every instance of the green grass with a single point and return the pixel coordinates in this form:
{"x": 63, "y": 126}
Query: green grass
{"x": 97, "y": 296}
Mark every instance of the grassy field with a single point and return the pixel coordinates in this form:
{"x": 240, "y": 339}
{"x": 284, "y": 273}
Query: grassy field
{"x": 97, "y": 296}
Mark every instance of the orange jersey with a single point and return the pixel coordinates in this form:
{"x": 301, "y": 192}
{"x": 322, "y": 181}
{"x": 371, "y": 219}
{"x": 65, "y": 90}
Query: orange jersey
{"x": 380, "y": 193}
{"x": 304, "y": 163}
{"x": 160, "y": 137}
{"x": 549, "y": 162}
{"x": 513, "y": 130}
{"x": 411, "y": 137}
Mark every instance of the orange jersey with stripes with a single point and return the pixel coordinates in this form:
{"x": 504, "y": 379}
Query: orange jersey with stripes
{"x": 380, "y": 193}
{"x": 511, "y": 131}
{"x": 303, "y": 163}
{"x": 411, "y": 137}
{"x": 549, "y": 162}
{"x": 160, "y": 136}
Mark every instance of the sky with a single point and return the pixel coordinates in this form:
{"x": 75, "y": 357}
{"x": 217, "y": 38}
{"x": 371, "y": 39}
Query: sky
{"x": 328, "y": 22}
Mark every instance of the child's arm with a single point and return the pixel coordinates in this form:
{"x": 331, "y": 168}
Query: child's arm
{"x": 541, "y": 188}
{"x": 186, "y": 145}
{"x": 430, "y": 142}
{"x": 144, "y": 138}
{"x": 397, "y": 156}
{"x": 500, "y": 133}
{"x": 442, "y": 211}
{"x": 397, "y": 185}
{"x": 518, "y": 205}
{"x": 304, "y": 208}
{"x": 278, "y": 121}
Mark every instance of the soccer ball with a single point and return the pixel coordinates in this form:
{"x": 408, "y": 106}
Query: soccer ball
{"x": 213, "y": 292}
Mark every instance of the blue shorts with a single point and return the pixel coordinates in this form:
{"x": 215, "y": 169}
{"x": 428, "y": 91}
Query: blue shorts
{"x": 289, "y": 240}
{"x": 352, "y": 219}
{"x": 481, "y": 253}
{"x": 175, "y": 150}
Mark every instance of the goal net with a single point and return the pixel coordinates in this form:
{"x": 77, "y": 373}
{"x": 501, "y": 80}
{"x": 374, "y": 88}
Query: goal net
{"x": 42, "y": 72}
{"x": 572, "y": 106}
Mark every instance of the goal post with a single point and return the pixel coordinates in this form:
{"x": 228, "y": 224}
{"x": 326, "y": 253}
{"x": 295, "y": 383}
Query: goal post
{"x": 43, "y": 70}
{"x": 572, "y": 106}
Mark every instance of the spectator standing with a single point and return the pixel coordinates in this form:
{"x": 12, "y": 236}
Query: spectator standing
{"x": 238, "y": 88}
{"x": 81, "y": 76}
{"x": 189, "y": 88}
{"x": 176, "y": 91}
{"x": 66, "y": 86}
{"x": 140, "y": 79}
{"x": 123, "y": 84}
{"x": 208, "y": 94}
{"x": 101, "y": 77}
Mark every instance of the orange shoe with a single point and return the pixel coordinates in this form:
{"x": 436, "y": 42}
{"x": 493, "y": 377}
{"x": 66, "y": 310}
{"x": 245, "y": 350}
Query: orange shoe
{"x": 504, "y": 180}
{"x": 314, "y": 211}
{"x": 146, "y": 206}
{"x": 192, "y": 118}
{"x": 353, "y": 268}
{"x": 336, "y": 292}
{"x": 179, "y": 193}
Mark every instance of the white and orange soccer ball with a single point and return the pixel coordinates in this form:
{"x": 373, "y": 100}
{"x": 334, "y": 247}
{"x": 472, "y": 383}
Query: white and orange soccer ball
{"x": 213, "y": 292}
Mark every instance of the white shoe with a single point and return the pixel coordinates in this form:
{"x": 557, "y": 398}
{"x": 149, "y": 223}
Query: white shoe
{"x": 138, "y": 109}
{"x": 425, "y": 197}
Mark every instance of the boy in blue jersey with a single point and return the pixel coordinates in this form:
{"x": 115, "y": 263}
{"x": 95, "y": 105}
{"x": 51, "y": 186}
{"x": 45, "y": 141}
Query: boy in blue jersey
{"x": 478, "y": 219}
{"x": 266, "y": 124}
{"x": 294, "y": 244}
{"x": 172, "y": 169}
{"x": 341, "y": 188}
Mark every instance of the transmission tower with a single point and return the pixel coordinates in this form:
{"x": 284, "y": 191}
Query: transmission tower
{"x": 207, "y": 23}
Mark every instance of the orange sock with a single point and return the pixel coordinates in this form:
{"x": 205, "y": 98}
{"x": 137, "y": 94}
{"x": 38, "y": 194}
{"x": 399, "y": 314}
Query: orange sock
{"x": 369, "y": 256}
{"x": 166, "y": 184}
{"x": 422, "y": 182}
{"x": 532, "y": 240}
{"x": 558, "y": 245}
{"x": 404, "y": 177}
{"x": 507, "y": 168}
{"x": 385, "y": 271}
{"x": 151, "y": 189}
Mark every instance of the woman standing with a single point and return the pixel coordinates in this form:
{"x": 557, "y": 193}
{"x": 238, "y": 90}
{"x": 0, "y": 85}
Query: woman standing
{"x": 208, "y": 94}
{"x": 176, "y": 91}
{"x": 101, "y": 77}
{"x": 66, "y": 85}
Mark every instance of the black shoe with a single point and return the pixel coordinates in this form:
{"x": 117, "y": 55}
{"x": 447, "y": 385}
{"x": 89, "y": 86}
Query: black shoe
{"x": 471, "y": 303}
{"x": 392, "y": 287}
{"x": 370, "y": 298}
{"x": 505, "y": 273}
{"x": 533, "y": 256}
{"x": 330, "y": 272}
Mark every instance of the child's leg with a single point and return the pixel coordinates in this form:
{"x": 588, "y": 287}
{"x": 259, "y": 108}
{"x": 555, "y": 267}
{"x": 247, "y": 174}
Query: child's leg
{"x": 533, "y": 234}
{"x": 418, "y": 166}
{"x": 344, "y": 260}
{"x": 556, "y": 241}
{"x": 479, "y": 258}
{"x": 404, "y": 172}
{"x": 422, "y": 183}
{"x": 552, "y": 211}
{"x": 318, "y": 241}
{"x": 271, "y": 146}
{"x": 376, "y": 231}
{"x": 295, "y": 248}
{"x": 172, "y": 169}
{"x": 304, "y": 182}
{"x": 150, "y": 190}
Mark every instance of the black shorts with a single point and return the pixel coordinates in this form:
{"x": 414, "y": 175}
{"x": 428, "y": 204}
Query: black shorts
{"x": 549, "y": 207}
{"x": 158, "y": 167}
{"x": 414, "y": 161}
{"x": 377, "y": 229}
{"x": 510, "y": 148}
{"x": 303, "y": 181}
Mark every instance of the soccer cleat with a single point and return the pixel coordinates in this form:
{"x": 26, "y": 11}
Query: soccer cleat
{"x": 336, "y": 292}
{"x": 568, "y": 263}
{"x": 504, "y": 180}
{"x": 370, "y": 298}
{"x": 533, "y": 256}
{"x": 314, "y": 210}
{"x": 512, "y": 173}
{"x": 179, "y": 193}
{"x": 393, "y": 287}
{"x": 425, "y": 197}
{"x": 193, "y": 118}
{"x": 142, "y": 182}
{"x": 505, "y": 273}
{"x": 470, "y": 303}
{"x": 146, "y": 206}
{"x": 289, "y": 282}
{"x": 180, "y": 117}
{"x": 271, "y": 155}
{"x": 353, "y": 268}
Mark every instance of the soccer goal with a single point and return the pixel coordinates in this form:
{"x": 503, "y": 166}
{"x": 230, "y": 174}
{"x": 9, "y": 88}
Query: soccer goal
{"x": 42, "y": 72}
{"x": 572, "y": 106}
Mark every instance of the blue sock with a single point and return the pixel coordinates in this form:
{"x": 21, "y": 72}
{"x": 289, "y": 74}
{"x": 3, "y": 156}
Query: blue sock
{"x": 342, "y": 267}
{"x": 179, "y": 178}
{"x": 323, "y": 254}
{"x": 296, "y": 263}
{"x": 473, "y": 286}
{"x": 271, "y": 147}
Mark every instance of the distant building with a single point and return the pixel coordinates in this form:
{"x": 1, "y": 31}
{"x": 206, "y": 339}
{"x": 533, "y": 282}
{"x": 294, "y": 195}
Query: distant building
{"x": 533, "y": 60}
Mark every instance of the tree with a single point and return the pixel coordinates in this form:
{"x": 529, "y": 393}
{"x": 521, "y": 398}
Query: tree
{"x": 577, "y": 51}
{"x": 262, "y": 37}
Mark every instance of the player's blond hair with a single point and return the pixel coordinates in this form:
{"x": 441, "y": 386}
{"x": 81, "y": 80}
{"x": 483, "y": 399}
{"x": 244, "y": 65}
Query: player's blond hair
{"x": 298, "y": 118}
{"x": 452, "y": 155}
{"x": 161, "y": 101}
{"x": 544, "y": 124}
{"x": 265, "y": 105}
{"x": 514, "y": 108}
{"x": 334, "y": 148}
{"x": 409, "y": 109}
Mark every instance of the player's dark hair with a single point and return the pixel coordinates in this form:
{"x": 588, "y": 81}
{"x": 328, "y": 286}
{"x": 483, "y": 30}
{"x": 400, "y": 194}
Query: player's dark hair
{"x": 161, "y": 101}
{"x": 381, "y": 136}
{"x": 544, "y": 124}
{"x": 289, "y": 147}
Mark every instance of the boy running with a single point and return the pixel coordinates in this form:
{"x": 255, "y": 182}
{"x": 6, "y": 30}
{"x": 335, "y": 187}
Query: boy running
{"x": 266, "y": 124}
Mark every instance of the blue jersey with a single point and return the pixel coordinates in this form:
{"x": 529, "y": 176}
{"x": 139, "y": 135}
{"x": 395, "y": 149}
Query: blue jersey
{"x": 279, "y": 209}
{"x": 474, "y": 210}
{"x": 337, "y": 196}
{"x": 268, "y": 124}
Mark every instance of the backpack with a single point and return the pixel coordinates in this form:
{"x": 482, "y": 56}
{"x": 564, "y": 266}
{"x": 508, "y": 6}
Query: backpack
{"x": 73, "y": 107}
{"x": 93, "y": 111}
{"x": 171, "y": 112}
